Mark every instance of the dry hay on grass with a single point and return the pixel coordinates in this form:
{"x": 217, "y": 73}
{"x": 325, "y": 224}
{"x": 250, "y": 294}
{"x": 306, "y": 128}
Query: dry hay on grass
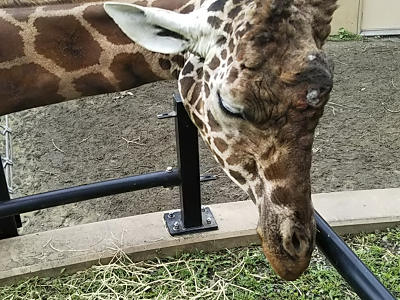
{"x": 236, "y": 274}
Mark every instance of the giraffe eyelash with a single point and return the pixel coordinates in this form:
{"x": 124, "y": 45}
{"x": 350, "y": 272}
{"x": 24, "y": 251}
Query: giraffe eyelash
{"x": 228, "y": 110}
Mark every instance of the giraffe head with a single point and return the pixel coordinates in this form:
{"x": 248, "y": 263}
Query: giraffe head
{"x": 255, "y": 83}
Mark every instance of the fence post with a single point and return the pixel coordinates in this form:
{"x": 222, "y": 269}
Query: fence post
{"x": 187, "y": 147}
{"x": 192, "y": 216}
{"x": 8, "y": 225}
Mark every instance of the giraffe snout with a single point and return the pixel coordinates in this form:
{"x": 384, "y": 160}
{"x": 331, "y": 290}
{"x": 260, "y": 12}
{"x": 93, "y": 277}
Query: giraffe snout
{"x": 319, "y": 78}
{"x": 289, "y": 250}
{"x": 293, "y": 258}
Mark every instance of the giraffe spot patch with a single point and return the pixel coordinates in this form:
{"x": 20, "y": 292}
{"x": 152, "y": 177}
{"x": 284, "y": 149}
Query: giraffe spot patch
{"x": 72, "y": 46}
{"x": 275, "y": 172}
{"x": 232, "y": 160}
{"x": 10, "y": 36}
{"x": 179, "y": 60}
{"x": 217, "y": 5}
{"x": 206, "y": 90}
{"x": 234, "y": 12}
{"x": 23, "y": 92}
{"x": 96, "y": 17}
{"x": 231, "y": 46}
{"x": 233, "y": 75}
{"x": 199, "y": 72}
{"x": 214, "y": 63}
{"x": 196, "y": 120}
{"x": 188, "y": 68}
{"x": 224, "y": 54}
{"x": 212, "y": 122}
{"x": 175, "y": 74}
{"x": 206, "y": 76}
{"x": 165, "y": 64}
{"x": 93, "y": 84}
{"x": 186, "y": 83}
{"x": 221, "y": 41}
{"x": 187, "y": 9}
{"x": 215, "y": 22}
{"x": 59, "y": 6}
{"x": 228, "y": 28}
{"x": 195, "y": 92}
{"x": 221, "y": 145}
{"x": 132, "y": 70}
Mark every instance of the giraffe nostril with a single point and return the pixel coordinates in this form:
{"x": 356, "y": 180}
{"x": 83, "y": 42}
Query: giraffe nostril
{"x": 325, "y": 89}
{"x": 316, "y": 94}
{"x": 296, "y": 243}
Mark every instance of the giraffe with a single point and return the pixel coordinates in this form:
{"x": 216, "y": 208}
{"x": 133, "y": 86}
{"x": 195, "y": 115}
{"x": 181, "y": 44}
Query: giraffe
{"x": 67, "y": 51}
{"x": 252, "y": 75}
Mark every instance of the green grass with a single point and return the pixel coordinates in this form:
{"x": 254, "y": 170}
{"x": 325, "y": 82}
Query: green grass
{"x": 344, "y": 35}
{"x": 241, "y": 273}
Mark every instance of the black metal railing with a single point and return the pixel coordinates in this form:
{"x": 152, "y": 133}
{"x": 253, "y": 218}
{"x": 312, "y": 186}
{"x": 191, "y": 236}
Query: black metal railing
{"x": 192, "y": 216}
{"x": 347, "y": 263}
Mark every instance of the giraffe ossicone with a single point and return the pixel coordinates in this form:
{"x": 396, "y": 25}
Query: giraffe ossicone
{"x": 254, "y": 82}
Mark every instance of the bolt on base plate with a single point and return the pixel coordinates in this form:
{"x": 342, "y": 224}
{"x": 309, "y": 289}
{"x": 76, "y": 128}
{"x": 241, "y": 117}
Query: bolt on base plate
{"x": 175, "y": 226}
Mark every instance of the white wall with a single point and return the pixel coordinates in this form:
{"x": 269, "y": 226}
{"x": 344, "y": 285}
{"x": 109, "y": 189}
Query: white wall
{"x": 368, "y": 17}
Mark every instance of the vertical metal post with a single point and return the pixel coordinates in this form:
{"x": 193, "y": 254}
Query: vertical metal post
{"x": 192, "y": 217}
{"x": 8, "y": 225}
{"x": 187, "y": 144}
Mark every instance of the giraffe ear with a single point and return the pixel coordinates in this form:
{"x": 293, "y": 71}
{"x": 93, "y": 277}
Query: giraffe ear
{"x": 155, "y": 29}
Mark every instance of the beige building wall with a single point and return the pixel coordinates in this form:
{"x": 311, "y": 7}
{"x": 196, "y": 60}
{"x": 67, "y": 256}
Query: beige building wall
{"x": 380, "y": 17}
{"x": 348, "y": 16}
{"x": 367, "y": 17}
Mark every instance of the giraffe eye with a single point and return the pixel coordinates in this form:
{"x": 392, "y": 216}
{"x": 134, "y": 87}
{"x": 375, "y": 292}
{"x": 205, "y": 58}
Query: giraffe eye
{"x": 228, "y": 109}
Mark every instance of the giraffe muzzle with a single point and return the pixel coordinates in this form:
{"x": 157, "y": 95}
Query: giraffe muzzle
{"x": 293, "y": 258}
{"x": 287, "y": 228}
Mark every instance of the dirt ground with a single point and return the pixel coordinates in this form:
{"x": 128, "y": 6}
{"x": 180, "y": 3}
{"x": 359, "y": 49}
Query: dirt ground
{"x": 356, "y": 145}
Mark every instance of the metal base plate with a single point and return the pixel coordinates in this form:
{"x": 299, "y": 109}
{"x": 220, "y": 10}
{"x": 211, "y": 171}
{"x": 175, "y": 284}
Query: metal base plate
{"x": 175, "y": 226}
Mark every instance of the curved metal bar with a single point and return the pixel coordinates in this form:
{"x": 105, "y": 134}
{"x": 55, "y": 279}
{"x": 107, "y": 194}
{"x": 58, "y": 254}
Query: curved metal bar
{"x": 347, "y": 263}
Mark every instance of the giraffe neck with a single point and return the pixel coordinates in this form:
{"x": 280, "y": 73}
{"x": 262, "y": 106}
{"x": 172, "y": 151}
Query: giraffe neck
{"x": 56, "y": 53}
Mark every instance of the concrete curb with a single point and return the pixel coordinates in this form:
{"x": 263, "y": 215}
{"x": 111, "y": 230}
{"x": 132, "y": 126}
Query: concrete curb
{"x": 144, "y": 236}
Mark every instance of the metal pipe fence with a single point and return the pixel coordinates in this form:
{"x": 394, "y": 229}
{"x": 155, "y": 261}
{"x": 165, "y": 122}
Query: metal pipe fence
{"x": 89, "y": 191}
{"x": 347, "y": 263}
